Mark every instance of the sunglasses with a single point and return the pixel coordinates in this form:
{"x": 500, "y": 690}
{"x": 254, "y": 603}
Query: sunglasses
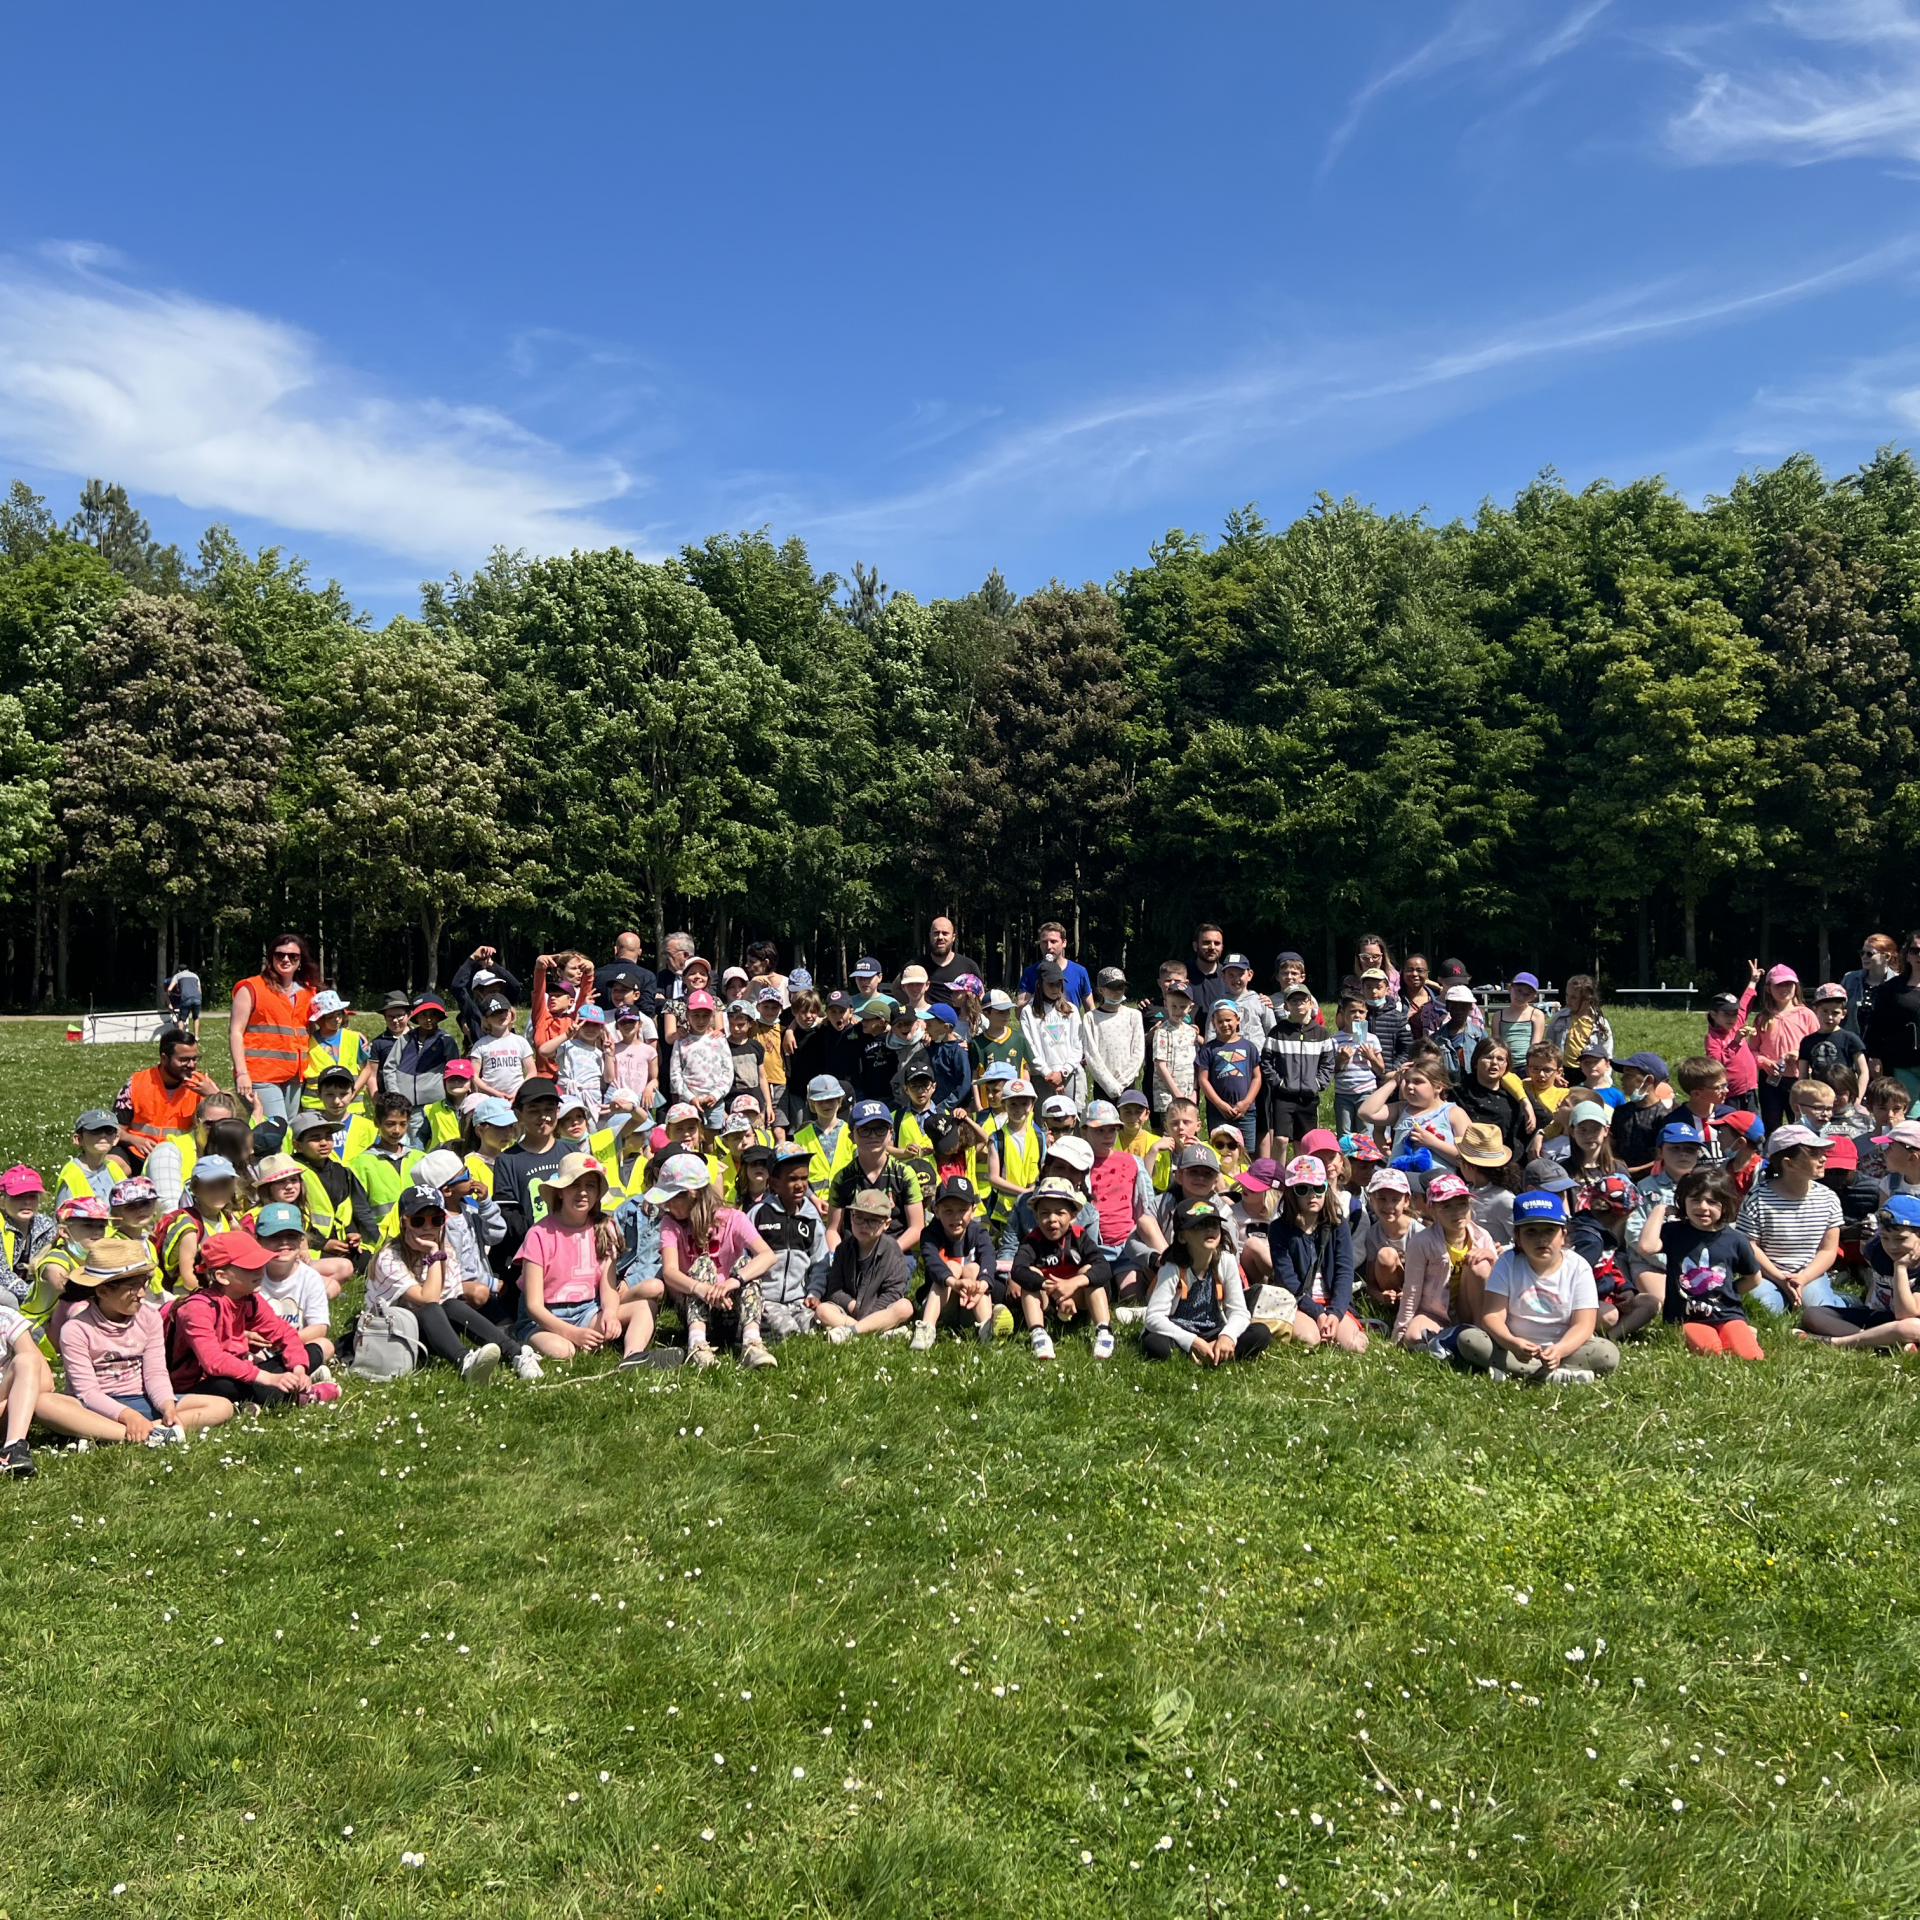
{"x": 432, "y": 1219}
{"x": 288, "y": 953}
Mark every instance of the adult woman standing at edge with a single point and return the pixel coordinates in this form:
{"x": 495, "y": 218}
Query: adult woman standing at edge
{"x": 1891, "y": 1024}
{"x": 267, "y": 1033}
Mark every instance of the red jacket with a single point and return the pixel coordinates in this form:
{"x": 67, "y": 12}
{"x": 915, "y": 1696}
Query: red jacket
{"x": 207, "y": 1337}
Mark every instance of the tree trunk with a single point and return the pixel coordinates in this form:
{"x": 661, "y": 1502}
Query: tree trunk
{"x": 36, "y": 991}
{"x": 1766, "y": 929}
{"x": 1691, "y": 935}
{"x": 1646, "y": 942}
{"x": 60, "y": 951}
{"x": 431, "y": 921}
{"x": 659, "y": 927}
{"x": 160, "y": 958}
{"x": 1824, "y": 965}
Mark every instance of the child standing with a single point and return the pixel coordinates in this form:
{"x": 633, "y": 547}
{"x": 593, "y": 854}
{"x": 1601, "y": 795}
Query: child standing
{"x": 1785, "y": 1020}
{"x": 1710, "y": 1263}
{"x": 1358, "y": 1066}
{"x": 1541, "y": 1306}
{"x": 1299, "y": 1067}
{"x": 1175, "y": 1042}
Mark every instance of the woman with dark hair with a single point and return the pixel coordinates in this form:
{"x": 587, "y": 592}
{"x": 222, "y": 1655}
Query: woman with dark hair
{"x": 267, "y": 1033}
{"x": 1483, "y": 1096}
{"x": 1891, "y": 1019}
{"x": 1371, "y": 950}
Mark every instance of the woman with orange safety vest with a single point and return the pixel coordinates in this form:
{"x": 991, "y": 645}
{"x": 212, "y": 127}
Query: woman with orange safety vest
{"x": 267, "y": 1034}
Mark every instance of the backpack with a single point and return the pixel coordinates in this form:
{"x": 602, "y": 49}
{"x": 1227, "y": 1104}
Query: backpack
{"x": 382, "y": 1344}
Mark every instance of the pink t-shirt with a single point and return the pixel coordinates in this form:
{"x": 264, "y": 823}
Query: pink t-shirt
{"x": 731, "y": 1237}
{"x": 568, "y": 1260}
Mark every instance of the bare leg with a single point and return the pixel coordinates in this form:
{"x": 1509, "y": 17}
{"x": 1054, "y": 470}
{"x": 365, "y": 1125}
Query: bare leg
{"x": 194, "y": 1410}
{"x": 896, "y": 1315}
{"x": 64, "y": 1414}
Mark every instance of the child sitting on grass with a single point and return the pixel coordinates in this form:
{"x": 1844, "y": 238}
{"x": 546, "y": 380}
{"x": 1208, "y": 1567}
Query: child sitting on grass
{"x": 1890, "y": 1314}
{"x": 114, "y": 1348}
{"x": 1313, "y": 1260}
{"x": 1058, "y": 1268}
{"x": 1380, "y": 1247}
{"x": 1447, "y": 1264}
{"x": 1710, "y": 1263}
{"x": 1197, "y": 1306}
{"x": 224, "y": 1339}
{"x": 569, "y": 1304}
{"x": 1541, "y": 1306}
{"x": 963, "y": 1275}
{"x": 868, "y": 1278}
{"x": 289, "y": 1284}
{"x": 26, "y": 1232}
{"x": 712, "y": 1260}
{"x": 27, "y": 1394}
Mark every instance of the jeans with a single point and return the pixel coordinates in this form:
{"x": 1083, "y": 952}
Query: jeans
{"x": 1763, "y": 1293}
{"x": 279, "y": 1099}
{"x": 1346, "y": 1110}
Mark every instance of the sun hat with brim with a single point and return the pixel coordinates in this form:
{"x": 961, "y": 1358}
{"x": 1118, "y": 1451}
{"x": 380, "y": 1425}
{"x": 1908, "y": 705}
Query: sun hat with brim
{"x": 573, "y": 1169}
{"x": 324, "y": 1003}
{"x": 213, "y": 1166}
{"x": 1583, "y": 1110}
{"x": 1055, "y": 1188}
{"x": 1306, "y": 1170}
{"x": 279, "y": 1216}
{"x": 1481, "y": 1144}
{"x": 871, "y": 1202}
{"x": 1071, "y": 1151}
{"x": 236, "y": 1249}
{"x": 109, "y": 1261}
{"x": 678, "y": 1173}
{"x": 1447, "y": 1186}
{"x": 1461, "y": 997}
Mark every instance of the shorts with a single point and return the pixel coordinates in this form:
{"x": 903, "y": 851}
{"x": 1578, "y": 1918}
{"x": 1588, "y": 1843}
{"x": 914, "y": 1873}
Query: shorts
{"x": 576, "y": 1313}
{"x": 139, "y": 1403}
{"x": 1292, "y": 1117}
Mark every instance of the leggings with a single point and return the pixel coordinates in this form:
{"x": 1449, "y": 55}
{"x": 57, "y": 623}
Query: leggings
{"x": 1253, "y": 1339}
{"x": 1730, "y": 1336}
{"x": 259, "y": 1393}
{"x": 442, "y": 1325}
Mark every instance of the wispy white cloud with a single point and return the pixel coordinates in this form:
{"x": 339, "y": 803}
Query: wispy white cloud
{"x": 231, "y": 411}
{"x": 1500, "y": 34}
{"x": 1141, "y": 445}
{"x": 1804, "y": 83}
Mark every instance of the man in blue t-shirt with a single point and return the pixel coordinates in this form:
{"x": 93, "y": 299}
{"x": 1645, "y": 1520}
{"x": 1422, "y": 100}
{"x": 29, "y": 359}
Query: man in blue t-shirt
{"x": 1053, "y": 946}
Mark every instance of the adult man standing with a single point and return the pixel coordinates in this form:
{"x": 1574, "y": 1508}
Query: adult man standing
{"x": 183, "y": 999}
{"x": 626, "y": 962}
{"x": 944, "y": 964}
{"x": 1206, "y": 980}
{"x": 162, "y": 1100}
{"x": 1053, "y": 947}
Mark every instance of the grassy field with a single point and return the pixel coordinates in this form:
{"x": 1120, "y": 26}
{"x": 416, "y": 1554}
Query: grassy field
{"x": 888, "y": 1634}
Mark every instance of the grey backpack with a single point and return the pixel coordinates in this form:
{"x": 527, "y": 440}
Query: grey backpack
{"x": 386, "y": 1344}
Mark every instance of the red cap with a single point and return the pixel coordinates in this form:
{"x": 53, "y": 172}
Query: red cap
{"x": 1320, "y": 1140}
{"x": 1739, "y": 1118}
{"x": 235, "y": 1249}
{"x": 21, "y": 1179}
{"x": 1843, "y": 1153}
{"x": 457, "y": 1070}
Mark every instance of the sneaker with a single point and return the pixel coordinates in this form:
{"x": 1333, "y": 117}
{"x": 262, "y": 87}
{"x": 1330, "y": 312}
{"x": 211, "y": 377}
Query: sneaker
{"x": 700, "y": 1353}
{"x": 1002, "y": 1323}
{"x": 16, "y": 1461}
{"x": 325, "y": 1390}
{"x": 1103, "y": 1343}
{"x": 477, "y": 1368}
{"x": 1570, "y": 1377}
{"x": 1498, "y": 1374}
{"x": 753, "y": 1353}
{"x": 1129, "y": 1316}
{"x": 987, "y": 1331}
{"x": 323, "y": 1373}
{"x": 1042, "y": 1343}
{"x": 159, "y": 1435}
{"x": 896, "y": 1333}
{"x": 839, "y": 1336}
{"x": 526, "y": 1364}
{"x": 922, "y": 1341}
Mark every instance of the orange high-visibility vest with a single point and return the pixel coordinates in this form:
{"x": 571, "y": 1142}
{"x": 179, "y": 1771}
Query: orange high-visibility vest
{"x": 275, "y": 1044}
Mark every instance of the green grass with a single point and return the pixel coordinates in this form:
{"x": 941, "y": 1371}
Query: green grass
{"x": 886, "y": 1634}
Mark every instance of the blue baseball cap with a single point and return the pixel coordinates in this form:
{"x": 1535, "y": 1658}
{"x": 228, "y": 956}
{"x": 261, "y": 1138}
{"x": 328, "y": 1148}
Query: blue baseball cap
{"x": 1000, "y": 1070}
{"x": 1645, "y": 1063}
{"x": 1682, "y": 1133}
{"x": 941, "y": 1011}
{"x": 866, "y": 1111}
{"x": 866, "y": 964}
{"x": 1902, "y": 1209}
{"x": 493, "y": 1113}
{"x": 800, "y": 980}
{"x": 1539, "y": 1209}
{"x": 823, "y": 1086}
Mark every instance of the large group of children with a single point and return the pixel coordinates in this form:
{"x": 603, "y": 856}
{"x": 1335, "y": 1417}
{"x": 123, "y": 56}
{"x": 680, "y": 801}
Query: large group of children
{"x": 739, "y": 1160}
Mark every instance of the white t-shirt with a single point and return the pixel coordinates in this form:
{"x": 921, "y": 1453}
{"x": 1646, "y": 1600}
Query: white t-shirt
{"x": 1540, "y": 1306}
{"x": 300, "y": 1299}
{"x": 501, "y": 1061}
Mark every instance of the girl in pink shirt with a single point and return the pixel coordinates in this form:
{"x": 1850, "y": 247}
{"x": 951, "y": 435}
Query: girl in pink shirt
{"x": 711, "y": 1260}
{"x": 1447, "y": 1264}
{"x": 1785, "y": 1020}
{"x": 569, "y": 1304}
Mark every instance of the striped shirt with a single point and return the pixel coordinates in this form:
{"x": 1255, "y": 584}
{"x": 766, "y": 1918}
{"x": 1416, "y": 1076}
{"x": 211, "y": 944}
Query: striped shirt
{"x": 1789, "y": 1231}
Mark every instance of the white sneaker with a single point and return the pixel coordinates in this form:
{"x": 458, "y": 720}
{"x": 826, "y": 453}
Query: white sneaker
{"x": 1042, "y": 1343}
{"x": 700, "y": 1353}
{"x": 1103, "y": 1344}
{"x": 922, "y": 1341}
{"x": 895, "y": 1333}
{"x": 323, "y": 1373}
{"x": 526, "y": 1364}
{"x": 159, "y": 1436}
{"x": 839, "y": 1336}
{"x": 1570, "y": 1377}
{"x": 1129, "y": 1316}
{"x": 985, "y": 1331}
{"x": 753, "y": 1353}
{"x": 477, "y": 1368}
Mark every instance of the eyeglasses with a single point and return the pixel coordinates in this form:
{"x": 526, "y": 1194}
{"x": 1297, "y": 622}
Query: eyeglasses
{"x": 871, "y": 1129}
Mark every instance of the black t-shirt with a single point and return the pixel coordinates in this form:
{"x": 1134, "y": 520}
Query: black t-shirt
{"x": 1495, "y": 1107}
{"x": 874, "y": 1069}
{"x": 836, "y": 1053}
{"x": 1891, "y": 1023}
{"x": 1822, "y": 1052}
{"x": 1702, "y": 1263}
{"x": 897, "y": 1181}
{"x": 748, "y": 1061}
{"x": 943, "y": 973}
{"x": 947, "y": 1253}
{"x": 1207, "y": 990}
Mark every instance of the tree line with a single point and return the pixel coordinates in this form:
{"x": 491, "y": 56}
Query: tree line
{"x": 1600, "y": 728}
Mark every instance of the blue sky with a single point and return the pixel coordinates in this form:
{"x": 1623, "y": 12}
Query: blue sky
{"x": 940, "y": 290}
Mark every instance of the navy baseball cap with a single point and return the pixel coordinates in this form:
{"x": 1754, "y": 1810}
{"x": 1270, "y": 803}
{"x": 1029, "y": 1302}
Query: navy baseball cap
{"x": 1539, "y": 1209}
{"x": 1646, "y": 1063}
{"x": 866, "y": 1111}
{"x": 1682, "y": 1133}
{"x": 867, "y": 964}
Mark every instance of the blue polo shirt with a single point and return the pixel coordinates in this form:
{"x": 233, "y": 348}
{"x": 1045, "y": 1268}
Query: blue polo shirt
{"x": 1078, "y": 986}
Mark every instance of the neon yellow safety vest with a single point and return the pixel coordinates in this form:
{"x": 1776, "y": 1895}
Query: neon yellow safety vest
{"x": 481, "y": 1172}
{"x": 361, "y": 1134}
{"x": 384, "y": 1182}
{"x": 348, "y": 1049}
{"x": 827, "y": 1160}
{"x": 326, "y": 1219}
